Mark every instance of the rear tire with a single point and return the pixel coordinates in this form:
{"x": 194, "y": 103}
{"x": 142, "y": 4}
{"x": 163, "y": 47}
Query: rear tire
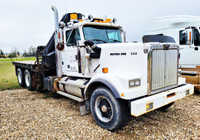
{"x": 20, "y": 77}
{"x": 108, "y": 112}
{"x": 164, "y": 108}
{"x": 28, "y": 80}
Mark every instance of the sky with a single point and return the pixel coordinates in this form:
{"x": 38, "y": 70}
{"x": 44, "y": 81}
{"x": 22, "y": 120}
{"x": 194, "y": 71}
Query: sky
{"x": 25, "y": 23}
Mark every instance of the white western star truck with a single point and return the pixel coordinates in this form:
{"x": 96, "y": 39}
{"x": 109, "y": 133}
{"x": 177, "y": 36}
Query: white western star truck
{"x": 185, "y": 30}
{"x": 88, "y": 60}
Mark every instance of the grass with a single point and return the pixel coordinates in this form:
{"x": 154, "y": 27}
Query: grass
{"x": 8, "y": 78}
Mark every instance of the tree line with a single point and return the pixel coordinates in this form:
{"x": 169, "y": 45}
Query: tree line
{"x": 15, "y": 53}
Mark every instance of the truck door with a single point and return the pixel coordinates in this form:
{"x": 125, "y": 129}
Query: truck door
{"x": 70, "y": 53}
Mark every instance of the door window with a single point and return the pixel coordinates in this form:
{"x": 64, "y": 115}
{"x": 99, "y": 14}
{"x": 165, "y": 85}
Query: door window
{"x": 182, "y": 38}
{"x": 72, "y": 37}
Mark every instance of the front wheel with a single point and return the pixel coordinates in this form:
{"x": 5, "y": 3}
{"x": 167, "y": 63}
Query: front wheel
{"x": 108, "y": 112}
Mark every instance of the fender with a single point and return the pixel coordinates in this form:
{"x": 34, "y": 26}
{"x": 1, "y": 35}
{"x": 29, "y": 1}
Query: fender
{"x": 94, "y": 83}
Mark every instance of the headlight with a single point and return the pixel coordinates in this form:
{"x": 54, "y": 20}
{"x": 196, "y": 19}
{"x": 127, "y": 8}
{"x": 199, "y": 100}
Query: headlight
{"x": 134, "y": 83}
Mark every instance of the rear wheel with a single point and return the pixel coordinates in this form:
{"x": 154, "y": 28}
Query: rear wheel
{"x": 108, "y": 112}
{"x": 28, "y": 80}
{"x": 20, "y": 77}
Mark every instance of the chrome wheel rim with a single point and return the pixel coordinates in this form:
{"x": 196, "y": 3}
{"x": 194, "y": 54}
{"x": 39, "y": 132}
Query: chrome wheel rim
{"x": 27, "y": 79}
{"x": 103, "y": 109}
{"x": 19, "y": 76}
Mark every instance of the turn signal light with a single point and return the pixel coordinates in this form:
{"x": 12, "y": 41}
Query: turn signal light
{"x": 105, "y": 70}
{"x": 198, "y": 67}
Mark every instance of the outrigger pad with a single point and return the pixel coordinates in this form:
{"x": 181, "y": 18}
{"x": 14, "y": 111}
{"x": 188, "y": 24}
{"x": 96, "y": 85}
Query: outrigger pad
{"x": 158, "y": 38}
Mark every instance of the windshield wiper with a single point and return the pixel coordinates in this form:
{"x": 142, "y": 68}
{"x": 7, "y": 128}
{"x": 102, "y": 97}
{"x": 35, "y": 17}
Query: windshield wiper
{"x": 99, "y": 40}
{"x": 114, "y": 40}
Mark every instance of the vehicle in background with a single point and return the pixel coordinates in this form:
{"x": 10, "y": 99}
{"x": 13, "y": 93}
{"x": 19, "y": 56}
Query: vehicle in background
{"x": 186, "y": 32}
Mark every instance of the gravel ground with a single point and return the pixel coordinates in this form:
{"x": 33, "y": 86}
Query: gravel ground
{"x": 33, "y": 115}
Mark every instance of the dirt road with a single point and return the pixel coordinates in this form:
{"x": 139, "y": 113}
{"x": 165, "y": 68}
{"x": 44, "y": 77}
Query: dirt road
{"x": 29, "y": 115}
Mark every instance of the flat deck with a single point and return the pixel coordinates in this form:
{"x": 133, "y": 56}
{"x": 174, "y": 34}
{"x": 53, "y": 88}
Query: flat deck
{"x": 31, "y": 65}
{"x": 25, "y": 62}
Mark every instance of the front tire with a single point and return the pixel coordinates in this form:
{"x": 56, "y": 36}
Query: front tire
{"x": 20, "y": 77}
{"x": 28, "y": 80}
{"x": 108, "y": 112}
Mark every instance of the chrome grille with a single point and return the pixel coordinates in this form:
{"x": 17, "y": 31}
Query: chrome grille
{"x": 164, "y": 69}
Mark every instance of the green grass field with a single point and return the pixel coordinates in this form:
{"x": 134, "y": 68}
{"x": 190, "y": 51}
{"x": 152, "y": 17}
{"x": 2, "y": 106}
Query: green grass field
{"x": 8, "y": 79}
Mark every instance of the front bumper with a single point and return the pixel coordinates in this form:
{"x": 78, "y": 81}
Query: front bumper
{"x": 147, "y": 104}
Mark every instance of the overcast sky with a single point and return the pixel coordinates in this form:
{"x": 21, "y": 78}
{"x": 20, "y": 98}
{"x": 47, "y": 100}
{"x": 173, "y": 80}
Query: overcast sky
{"x": 26, "y": 23}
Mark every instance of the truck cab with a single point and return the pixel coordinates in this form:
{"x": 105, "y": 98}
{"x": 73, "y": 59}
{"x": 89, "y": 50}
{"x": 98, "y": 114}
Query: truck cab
{"x": 73, "y": 55}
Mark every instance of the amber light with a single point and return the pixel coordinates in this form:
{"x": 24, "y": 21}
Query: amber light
{"x": 108, "y": 20}
{"x": 105, "y": 70}
{"x": 190, "y": 37}
{"x": 73, "y": 16}
{"x": 59, "y": 35}
{"x": 198, "y": 67}
{"x": 122, "y": 94}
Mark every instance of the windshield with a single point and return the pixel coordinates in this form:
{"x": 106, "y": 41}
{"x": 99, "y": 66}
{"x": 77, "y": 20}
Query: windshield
{"x": 102, "y": 34}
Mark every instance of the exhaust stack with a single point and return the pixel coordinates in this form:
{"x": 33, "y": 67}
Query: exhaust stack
{"x": 57, "y": 42}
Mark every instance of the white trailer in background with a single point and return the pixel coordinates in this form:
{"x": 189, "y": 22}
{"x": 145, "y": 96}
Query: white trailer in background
{"x": 183, "y": 28}
{"x": 87, "y": 60}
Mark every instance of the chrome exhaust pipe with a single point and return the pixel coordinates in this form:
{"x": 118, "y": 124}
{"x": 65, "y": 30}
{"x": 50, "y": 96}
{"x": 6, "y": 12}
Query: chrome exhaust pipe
{"x": 57, "y": 41}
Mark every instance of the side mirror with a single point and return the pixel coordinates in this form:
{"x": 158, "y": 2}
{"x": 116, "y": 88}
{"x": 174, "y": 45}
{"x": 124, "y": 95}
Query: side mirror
{"x": 61, "y": 24}
{"x": 80, "y": 43}
{"x": 189, "y": 36}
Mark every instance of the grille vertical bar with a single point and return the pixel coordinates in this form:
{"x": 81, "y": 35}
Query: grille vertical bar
{"x": 171, "y": 67}
{"x": 158, "y": 69}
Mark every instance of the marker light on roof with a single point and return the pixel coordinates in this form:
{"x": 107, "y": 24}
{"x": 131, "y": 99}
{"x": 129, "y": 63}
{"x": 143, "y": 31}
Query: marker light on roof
{"x": 73, "y": 17}
{"x": 108, "y": 20}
